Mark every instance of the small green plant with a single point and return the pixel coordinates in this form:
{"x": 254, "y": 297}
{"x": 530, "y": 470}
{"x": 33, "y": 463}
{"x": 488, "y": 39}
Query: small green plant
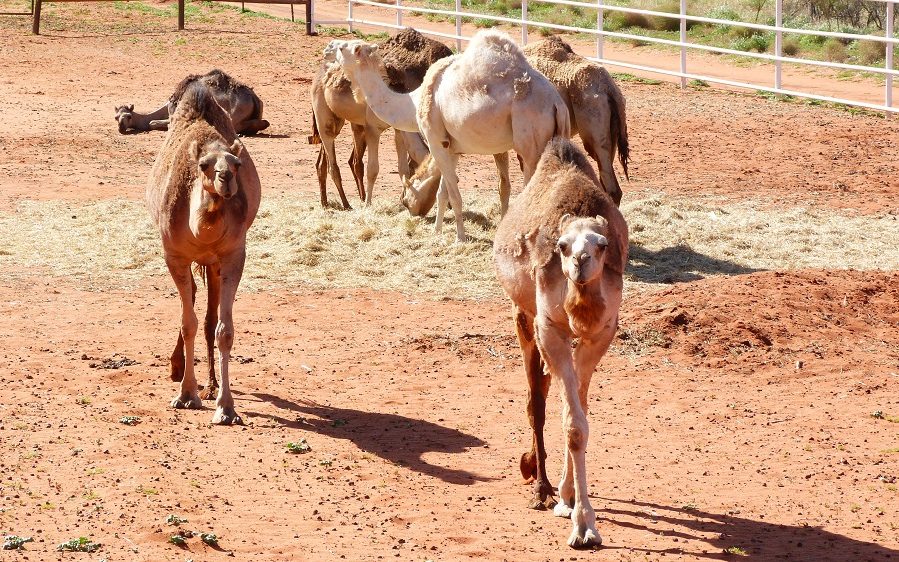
{"x": 871, "y": 52}
{"x": 81, "y": 544}
{"x": 696, "y": 83}
{"x": 689, "y": 507}
{"x": 299, "y": 447}
{"x": 326, "y": 462}
{"x": 83, "y": 401}
{"x": 209, "y": 538}
{"x": 627, "y": 77}
{"x": 147, "y": 491}
{"x": 129, "y": 420}
{"x": 177, "y": 540}
{"x": 736, "y": 551}
{"x": 758, "y": 43}
{"x": 12, "y": 542}
{"x": 91, "y": 495}
{"x": 173, "y": 519}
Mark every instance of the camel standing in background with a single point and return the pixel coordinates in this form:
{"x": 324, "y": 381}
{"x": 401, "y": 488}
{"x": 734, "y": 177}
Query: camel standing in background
{"x": 203, "y": 194}
{"x": 596, "y": 104}
{"x": 596, "y": 107}
{"x": 407, "y": 57}
{"x": 239, "y": 101}
{"x": 560, "y": 255}
{"x": 486, "y": 100}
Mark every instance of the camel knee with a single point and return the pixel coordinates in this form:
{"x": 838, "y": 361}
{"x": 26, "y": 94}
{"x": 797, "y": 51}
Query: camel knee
{"x": 189, "y": 325}
{"x": 577, "y": 435}
{"x": 224, "y": 337}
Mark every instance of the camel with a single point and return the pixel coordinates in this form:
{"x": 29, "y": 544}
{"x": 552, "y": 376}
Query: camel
{"x": 560, "y": 255}
{"x": 596, "y": 107}
{"x": 239, "y": 101}
{"x": 486, "y": 100}
{"x": 203, "y": 194}
{"x": 407, "y": 57}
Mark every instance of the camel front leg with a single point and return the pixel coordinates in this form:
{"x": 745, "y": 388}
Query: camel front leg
{"x": 176, "y": 371}
{"x": 533, "y": 463}
{"x": 232, "y": 270}
{"x": 505, "y": 186}
{"x": 334, "y": 170}
{"x": 159, "y": 125}
{"x": 214, "y": 289}
{"x": 188, "y": 396}
{"x": 555, "y": 347}
{"x": 372, "y": 140}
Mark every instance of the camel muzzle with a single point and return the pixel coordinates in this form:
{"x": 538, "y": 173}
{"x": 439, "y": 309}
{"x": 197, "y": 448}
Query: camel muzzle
{"x": 224, "y": 183}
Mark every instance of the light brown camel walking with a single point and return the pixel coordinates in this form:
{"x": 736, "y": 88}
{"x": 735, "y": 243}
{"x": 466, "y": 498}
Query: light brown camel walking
{"x": 203, "y": 194}
{"x": 407, "y": 56}
{"x": 560, "y": 254}
{"x": 239, "y": 101}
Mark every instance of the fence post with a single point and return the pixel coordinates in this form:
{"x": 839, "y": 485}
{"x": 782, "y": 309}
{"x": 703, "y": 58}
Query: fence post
{"x": 524, "y": 22}
{"x": 180, "y": 15}
{"x": 778, "y": 42}
{"x": 349, "y": 15}
{"x": 310, "y": 17}
{"x": 599, "y": 26}
{"x": 683, "y": 39}
{"x": 458, "y": 26}
{"x": 399, "y": 13}
{"x": 888, "y": 89}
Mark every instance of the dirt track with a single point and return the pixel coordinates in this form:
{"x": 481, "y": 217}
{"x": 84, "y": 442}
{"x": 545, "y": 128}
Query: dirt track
{"x": 734, "y": 411}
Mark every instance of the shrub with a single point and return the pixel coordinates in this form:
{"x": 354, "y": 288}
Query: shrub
{"x": 758, "y": 43}
{"x": 661, "y": 23}
{"x": 615, "y": 21}
{"x": 871, "y": 52}
{"x": 790, "y": 47}
{"x": 835, "y": 51}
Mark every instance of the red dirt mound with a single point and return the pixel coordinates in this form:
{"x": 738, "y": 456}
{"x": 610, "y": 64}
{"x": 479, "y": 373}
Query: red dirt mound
{"x": 772, "y": 318}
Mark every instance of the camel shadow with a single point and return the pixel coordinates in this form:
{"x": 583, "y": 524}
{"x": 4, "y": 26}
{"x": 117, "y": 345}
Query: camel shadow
{"x": 677, "y": 264}
{"x": 757, "y": 540}
{"x": 398, "y": 439}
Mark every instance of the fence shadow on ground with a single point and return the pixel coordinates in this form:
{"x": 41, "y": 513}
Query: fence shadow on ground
{"x": 759, "y": 539}
{"x": 678, "y": 264}
{"x": 398, "y": 439}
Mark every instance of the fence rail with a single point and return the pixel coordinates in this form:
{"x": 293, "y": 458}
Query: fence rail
{"x": 776, "y": 87}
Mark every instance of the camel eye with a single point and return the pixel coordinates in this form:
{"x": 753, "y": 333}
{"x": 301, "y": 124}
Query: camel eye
{"x": 204, "y": 166}
{"x": 563, "y": 247}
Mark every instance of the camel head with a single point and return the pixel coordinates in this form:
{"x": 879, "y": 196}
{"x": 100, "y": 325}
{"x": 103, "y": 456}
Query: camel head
{"x": 582, "y": 247}
{"x": 123, "y": 114}
{"x": 354, "y": 54}
{"x": 218, "y": 165}
{"x": 419, "y": 194}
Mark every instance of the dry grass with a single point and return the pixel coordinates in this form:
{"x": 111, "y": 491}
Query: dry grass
{"x": 296, "y": 243}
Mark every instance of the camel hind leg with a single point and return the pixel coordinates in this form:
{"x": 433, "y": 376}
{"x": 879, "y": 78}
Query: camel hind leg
{"x": 596, "y": 133}
{"x": 530, "y": 135}
{"x": 505, "y": 186}
{"x": 356, "y": 165}
{"x": 214, "y": 289}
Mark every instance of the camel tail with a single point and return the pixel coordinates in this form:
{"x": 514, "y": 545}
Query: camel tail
{"x": 563, "y": 121}
{"x": 619, "y": 127}
{"x": 314, "y": 138}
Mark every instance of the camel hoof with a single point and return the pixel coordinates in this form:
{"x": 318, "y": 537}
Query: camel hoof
{"x": 209, "y": 393}
{"x": 542, "y": 504}
{"x": 226, "y": 416}
{"x": 589, "y": 538}
{"x": 188, "y": 402}
{"x": 562, "y": 510}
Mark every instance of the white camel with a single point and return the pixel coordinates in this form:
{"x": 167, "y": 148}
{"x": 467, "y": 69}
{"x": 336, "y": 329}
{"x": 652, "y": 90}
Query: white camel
{"x": 486, "y": 100}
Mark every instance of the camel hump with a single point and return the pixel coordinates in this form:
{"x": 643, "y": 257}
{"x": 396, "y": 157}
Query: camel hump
{"x": 198, "y": 103}
{"x": 494, "y": 40}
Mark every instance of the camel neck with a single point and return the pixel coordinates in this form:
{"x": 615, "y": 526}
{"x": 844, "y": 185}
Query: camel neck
{"x": 585, "y": 305}
{"x": 396, "y": 109}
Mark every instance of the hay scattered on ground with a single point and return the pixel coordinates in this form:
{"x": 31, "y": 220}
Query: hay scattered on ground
{"x": 296, "y": 243}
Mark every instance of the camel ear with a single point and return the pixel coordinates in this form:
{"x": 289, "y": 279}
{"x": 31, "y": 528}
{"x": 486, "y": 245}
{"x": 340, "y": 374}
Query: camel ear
{"x": 236, "y": 147}
{"x": 357, "y": 49}
{"x": 131, "y": 107}
{"x": 563, "y": 222}
{"x": 601, "y": 220}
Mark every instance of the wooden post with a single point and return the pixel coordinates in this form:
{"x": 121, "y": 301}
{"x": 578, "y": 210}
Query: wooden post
{"x": 310, "y": 30}
{"x": 36, "y": 19}
{"x": 180, "y": 15}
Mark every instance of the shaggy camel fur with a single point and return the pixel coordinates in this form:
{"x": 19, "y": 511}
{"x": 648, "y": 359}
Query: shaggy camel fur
{"x": 596, "y": 104}
{"x": 203, "y": 194}
{"x": 485, "y": 101}
{"x": 407, "y": 57}
{"x": 238, "y": 100}
{"x": 596, "y": 107}
{"x": 560, "y": 254}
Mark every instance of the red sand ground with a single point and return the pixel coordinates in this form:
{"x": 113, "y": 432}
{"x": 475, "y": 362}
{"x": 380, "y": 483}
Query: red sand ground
{"x": 732, "y": 412}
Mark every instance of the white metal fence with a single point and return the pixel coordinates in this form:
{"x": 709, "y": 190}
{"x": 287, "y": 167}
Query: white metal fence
{"x": 776, "y": 86}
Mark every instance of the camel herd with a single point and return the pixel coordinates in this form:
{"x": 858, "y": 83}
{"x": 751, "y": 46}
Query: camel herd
{"x": 560, "y": 249}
